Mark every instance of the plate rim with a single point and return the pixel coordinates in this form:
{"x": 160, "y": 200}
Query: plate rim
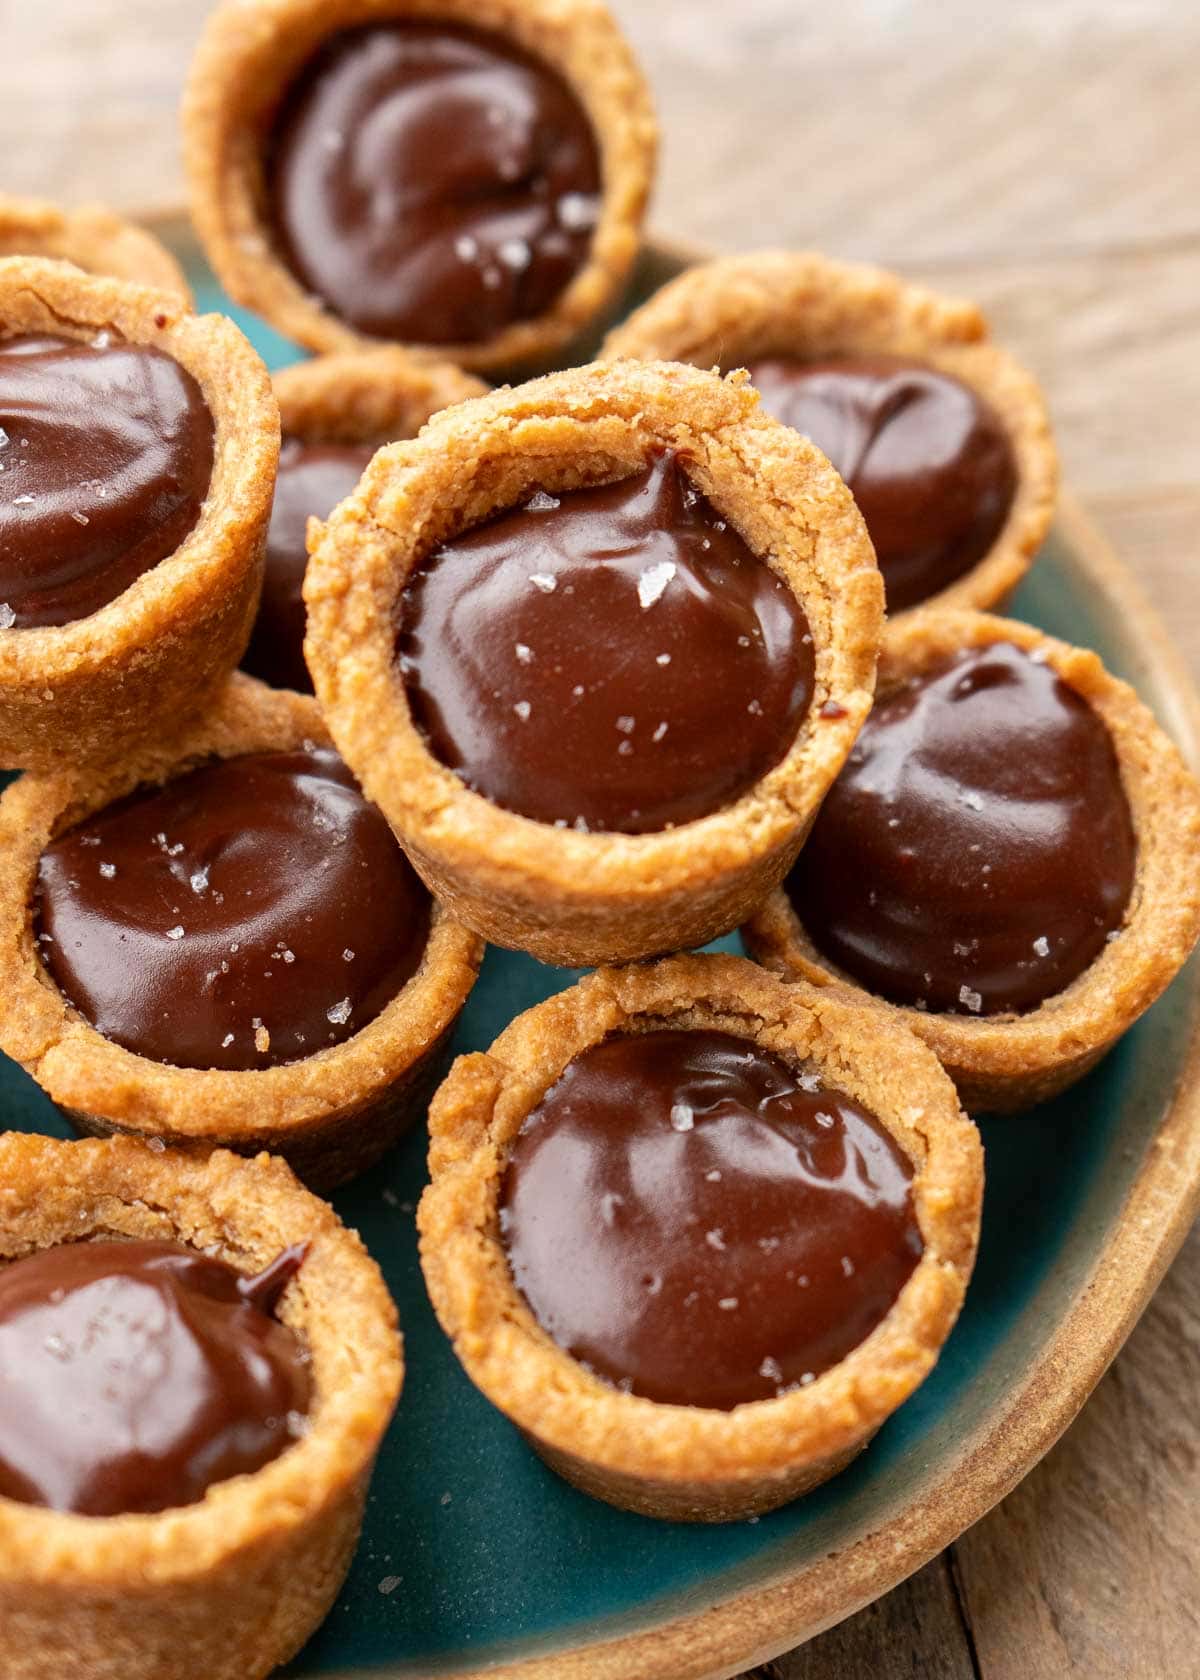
{"x": 761, "y": 1622}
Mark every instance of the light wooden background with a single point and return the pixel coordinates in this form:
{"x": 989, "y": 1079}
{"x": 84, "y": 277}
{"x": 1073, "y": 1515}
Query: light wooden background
{"x": 1045, "y": 158}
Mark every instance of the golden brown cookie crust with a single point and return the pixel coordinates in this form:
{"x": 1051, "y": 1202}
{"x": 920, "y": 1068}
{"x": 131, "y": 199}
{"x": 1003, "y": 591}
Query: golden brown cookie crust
{"x": 802, "y": 304}
{"x": 92, "y": 689}
{"x": 330, "y": 1115}
{"x": 247, "y": 58}
{"x": 682, "y": 1462}
{"x": 1005, "y": 1063}
{"x": 233, "y": 1585}
{"x": 567, "y": 897}
{"x": 93, "y": 238}
{"x": 367, "y": 396}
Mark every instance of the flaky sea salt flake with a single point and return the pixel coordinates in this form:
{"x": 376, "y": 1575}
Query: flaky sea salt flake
{"x": 339, "y": 1014}
{"x": 542, "y": 502}
{"x": 970, "y": 1000}
{"x": 653, "y": 582}
{"x": 543, "y": 580}
{"x": 175, "y": 933}
{"x": 682, "y": 1117}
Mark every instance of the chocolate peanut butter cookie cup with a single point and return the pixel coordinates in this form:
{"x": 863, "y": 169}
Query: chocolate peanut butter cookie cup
{"x": 335, "y": 411}
{"x": 466, "y": 176}
{"x": 91, "y": 237}
{"x": 219, "y": 942}
{"x": 1007, "y": 862}
{"x": 698, "y": 1233}
{"x": 138, "y": 446}
{"x": 942, "y": 438}
{"x": 218, "y": 1546}
{"x": 596, "y": 647}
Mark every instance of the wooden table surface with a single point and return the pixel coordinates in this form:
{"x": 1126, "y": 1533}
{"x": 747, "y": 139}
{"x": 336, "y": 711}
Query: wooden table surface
{"x": 1044, "y": 159}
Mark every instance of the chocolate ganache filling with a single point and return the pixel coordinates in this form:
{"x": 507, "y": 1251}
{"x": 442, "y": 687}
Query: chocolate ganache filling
{"x": 138, "y": 1374}
{"x": 611, "y": 659}
{"x": 928, "y": 462}
{"x": 700, "y": 1224}
{"x": 313, "y": 479}
{"x": 106, "y": 452}
{"x": 432, "y": 183}
{"x": 249, "y": 913}
{"x": 977, "y": 849}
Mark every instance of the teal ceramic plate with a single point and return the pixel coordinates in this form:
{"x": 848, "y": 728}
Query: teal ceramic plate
{"x": 476, "y": 1557}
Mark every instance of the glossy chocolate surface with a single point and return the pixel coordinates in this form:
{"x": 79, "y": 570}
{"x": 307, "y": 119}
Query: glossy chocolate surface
{"x": 701, "y": 1224}
{"x": 977, "y": 849}
{"x": 252, "y": 912}
{"x": 138, "y": 1374}
{"x": 929, "y": 464}
{"x": 105, "y": 459}
{"x": 432, "y": 183}
{"x": 610, "y": 659}
{"x": 313, "y": 479}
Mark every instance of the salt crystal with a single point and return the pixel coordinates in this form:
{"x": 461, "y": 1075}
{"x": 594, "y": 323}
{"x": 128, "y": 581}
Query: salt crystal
{"x": 577, "y": 211}
{"x": 714, "y": 1177}
{"x": 522, "y": 709}
{"x": 847, "y": 1266}
{"x": 626, "y": 725}
{"x": 227, "y": 1041}
{"x": 446, "y": 1498}
{"x": 972, "y": 799}
{"x": 577, "y": 691}
{"x": 662, "y": 659}
{"x": 389, "y": 1584}
{"x": 3, "y": 438}
{"x": 625, "y": 749}
{"x": 807, "y": 1377}
{"x": 542, "y": 502}
{"x": 108, "y": 870}
{"x": 822, "y": 1119}
{"x": 175, "y": 933}
{"x": 347, "y": 955}
{"x": 728, "y": 1303}
{"x": 970, "y": 1000}
{"x": 715, "y": 1239}
{"x": 22, "y": 501}
{"x": 653, "y": 582}
{"x": 682, "y": 1117}
{"x": 199, "y": 880}
{"x": 1042, "y": 946}
{"x": 771, "y": 1370}
{"x": 755, "y": 708}
{"x": 339, "y": 1014}
{"x": 466, "y": 249}
{"x": 80, "y": 518}
{"x": 514, "y": 253}
{"x": 543, "y": 581}
{"x": 809, "y": 1080}
{"x": 524, "y": 654}
{"x": 659, "y": 732}
{"x": 262, "y": 1038}
{"x": 7, "y": 616}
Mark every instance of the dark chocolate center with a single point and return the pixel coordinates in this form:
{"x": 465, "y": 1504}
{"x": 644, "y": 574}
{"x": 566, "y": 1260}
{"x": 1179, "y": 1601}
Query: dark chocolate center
{"x": 928, "y": 462}
{"x": 977, "y": 849}
{"x": 613, "y": 658}
{"x": 105, "y": 459}
{"x": 137, "y": 1374}
{"x": 313, "y": 479}
{"x": 249, "y": 913}
{"x": 701, "y": 1224}
{"x": 432, "y": 183}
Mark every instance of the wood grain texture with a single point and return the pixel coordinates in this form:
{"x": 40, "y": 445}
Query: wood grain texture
{"x": 1041, "y": 159}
